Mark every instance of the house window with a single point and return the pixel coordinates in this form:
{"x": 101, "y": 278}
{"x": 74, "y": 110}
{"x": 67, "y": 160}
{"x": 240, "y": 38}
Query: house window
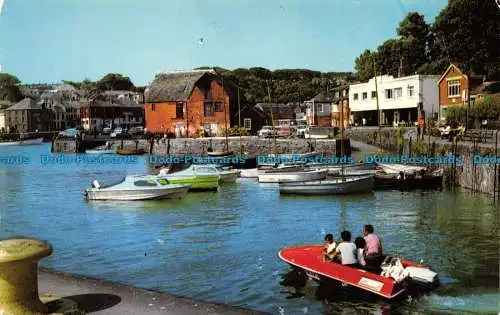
{"x": 320, "y": 108}
{"x": 153, "y": 107}
{"x": 411, "y": 90}
{"x": 344, "y": 93}
{"x": 453, "y": 88}
{"x": 337, "y": 94}
{"x": 398, "y": 92}
{"x": 365, "y": 95}
{"x": 208, "y": 110}
{"x": 374, "y": 94}
{"x": 247, "y": 123}
{"x": 219, "y": 107}
{"x": 179, "y": 110}
{"x": 355, "y": 96}
{"x": 388, "y": 93}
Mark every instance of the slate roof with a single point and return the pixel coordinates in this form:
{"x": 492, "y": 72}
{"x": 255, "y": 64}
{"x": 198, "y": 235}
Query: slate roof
{"x": 173, "y": 87}
{"x": 25, "y": 104}
{"x": 283, "y": 110}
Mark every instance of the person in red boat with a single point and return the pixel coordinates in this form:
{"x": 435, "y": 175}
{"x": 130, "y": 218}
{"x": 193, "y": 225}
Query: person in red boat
{"x": 329, "y": 249}
{"x": 346, "y": 250}
{"x": 373, "y": 249}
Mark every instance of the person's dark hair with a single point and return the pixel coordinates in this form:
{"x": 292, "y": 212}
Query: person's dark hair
{"x": 360, "y": 242}
{"x": 346, "y": 236}
{"x": 369, "y": 228}
{"x": 328, "y": 237}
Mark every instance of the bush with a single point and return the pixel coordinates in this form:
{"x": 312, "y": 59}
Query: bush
{"x": 235, "y": 131}
{"x": 482, "y": 109}
{"x": 419, "y": 147}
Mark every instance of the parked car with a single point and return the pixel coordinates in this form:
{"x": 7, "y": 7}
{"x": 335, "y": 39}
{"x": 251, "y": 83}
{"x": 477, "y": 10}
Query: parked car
{"x": 284, "y": 131}
{"x": 106, "y": 131}
{"x": 136, "y": 130}
{"x": 267, "y": 131}
{"x": 117, "y": 132}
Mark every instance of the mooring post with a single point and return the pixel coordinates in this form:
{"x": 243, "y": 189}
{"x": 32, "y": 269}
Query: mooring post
{"x": 19, "y": 259}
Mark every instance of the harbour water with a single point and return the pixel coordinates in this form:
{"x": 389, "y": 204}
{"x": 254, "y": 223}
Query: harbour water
{"x": 222, "y": 246}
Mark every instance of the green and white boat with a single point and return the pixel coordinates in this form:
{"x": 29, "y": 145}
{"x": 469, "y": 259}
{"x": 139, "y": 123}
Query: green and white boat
{"x": 198, "y": 181}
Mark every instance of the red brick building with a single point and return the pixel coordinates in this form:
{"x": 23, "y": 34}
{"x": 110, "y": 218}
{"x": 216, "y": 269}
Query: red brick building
{"x": 454, "y": 87}
{"x": 185, "y": 103}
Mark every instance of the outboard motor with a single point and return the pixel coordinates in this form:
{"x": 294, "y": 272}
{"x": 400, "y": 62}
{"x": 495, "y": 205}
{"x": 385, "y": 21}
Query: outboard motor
{"x": 95, "y": 184}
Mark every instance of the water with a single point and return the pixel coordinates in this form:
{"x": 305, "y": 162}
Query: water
{"x": 222, "y": 247}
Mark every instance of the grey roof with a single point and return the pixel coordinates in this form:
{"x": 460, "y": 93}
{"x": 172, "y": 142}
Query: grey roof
{"x": 99, "y": 103}
{"x": 323, "y": 97}
{"x": 254, "y": 108}
{"x": 25, "y": 104}
{"x": 281, "y": 109}
{"x": 172, "y": 87}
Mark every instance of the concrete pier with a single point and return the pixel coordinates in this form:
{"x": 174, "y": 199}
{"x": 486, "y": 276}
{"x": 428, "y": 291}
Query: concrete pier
{"x": 107, "y": 298}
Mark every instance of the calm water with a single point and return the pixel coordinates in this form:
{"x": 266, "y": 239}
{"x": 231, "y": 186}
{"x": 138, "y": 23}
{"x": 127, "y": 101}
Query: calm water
{"x": 222, "y": 247}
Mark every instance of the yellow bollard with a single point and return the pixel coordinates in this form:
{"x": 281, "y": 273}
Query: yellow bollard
{"x": 19, "y": 259}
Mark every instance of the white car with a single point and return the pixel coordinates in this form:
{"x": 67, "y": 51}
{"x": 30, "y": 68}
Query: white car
{"x": 301, "y": 131}
{"x": 116, "y": 132}
{"x": 267, "y": 131}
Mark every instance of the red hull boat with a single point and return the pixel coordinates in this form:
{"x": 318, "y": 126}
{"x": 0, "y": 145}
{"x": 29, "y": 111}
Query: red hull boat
{"x": 309, "y": 258}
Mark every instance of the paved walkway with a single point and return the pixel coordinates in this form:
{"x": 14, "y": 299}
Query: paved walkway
{"x": 105, "y": 298}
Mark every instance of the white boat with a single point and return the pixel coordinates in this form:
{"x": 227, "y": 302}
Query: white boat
{"x": 337, "y": 186}
{"x": 104, "y": 149}
{"x": 351, "y": 169}
{"x": 24, "y": 142}
{"x": 398, "y": 168}
{"x": 286, "y": 177}
{"x": 297, "y": 156}
{"x": 137, "y": 187}
{"x": 225, "y": 174}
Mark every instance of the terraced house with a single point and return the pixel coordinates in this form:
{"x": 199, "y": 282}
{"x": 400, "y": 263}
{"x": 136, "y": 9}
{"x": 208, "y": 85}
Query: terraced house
{"x": 188, "y": 102}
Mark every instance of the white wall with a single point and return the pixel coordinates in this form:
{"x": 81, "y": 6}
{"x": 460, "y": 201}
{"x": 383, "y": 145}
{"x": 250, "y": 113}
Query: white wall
{"x": 424, "y": 87}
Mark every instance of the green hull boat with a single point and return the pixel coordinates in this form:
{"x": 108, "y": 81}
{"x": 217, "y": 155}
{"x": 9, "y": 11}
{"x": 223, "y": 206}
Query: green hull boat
{"x": 198, "y": 182}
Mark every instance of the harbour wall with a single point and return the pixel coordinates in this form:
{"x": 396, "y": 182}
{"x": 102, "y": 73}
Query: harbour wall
{"x": 479, "y": 176}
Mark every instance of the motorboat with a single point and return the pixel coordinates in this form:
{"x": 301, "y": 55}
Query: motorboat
{"x": 104, "y": 149}
{"x": 24, "y": 142}
{"x": 197, "y": 181}
{"x": 402, "y": 181}
{"x": 337, "y": 186}
{"x": 298, "y": 176}
{"x": 397, "y": 277}
{"x": 225, "y": 175}
{"x": 137, "y": 187}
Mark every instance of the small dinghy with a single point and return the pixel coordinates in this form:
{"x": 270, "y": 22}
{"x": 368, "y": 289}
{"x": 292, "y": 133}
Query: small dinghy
{"x": 337, "y": 186}
{"x": 104, "y": 149}
{"x": 220, "y": 154}
{"x": 397, "y": 278}
{"x": 130, "y": 151}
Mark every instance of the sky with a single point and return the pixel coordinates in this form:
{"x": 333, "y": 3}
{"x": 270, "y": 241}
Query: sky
{"x": 46, "y": 41}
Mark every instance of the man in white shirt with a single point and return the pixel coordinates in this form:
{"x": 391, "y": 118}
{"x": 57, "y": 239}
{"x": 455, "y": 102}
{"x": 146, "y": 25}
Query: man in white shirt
{"x": 346, "y": 249}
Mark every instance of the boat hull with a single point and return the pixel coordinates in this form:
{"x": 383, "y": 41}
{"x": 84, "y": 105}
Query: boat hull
{"x": 309, "y": 259}
{"x": 198, "y": 183}
{"x": 130, "y": 152}
{"x": 100, "y": 151}
{"x": 24, "y": 142}
{"x": 229, "y": 176}
{"x": 220, "y": 154}
{"x": 287, "y": 177}
{"x": 351, "y": 185}
{"x": 132, "y": 195}
{"x": 393, "y": 181}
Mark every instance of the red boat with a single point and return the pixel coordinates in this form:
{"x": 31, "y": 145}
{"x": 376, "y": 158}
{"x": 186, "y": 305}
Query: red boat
{"x": 397, "y": 277}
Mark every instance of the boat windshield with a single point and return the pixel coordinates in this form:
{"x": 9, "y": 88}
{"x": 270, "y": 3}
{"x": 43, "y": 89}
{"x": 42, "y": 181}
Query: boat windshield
{"x": 206, "y": 169}
{"x": 113, "y": 184}
{"x": 163, "y": 181}
{"x": 219, "y": 168}
{"x": 145, "y": 183}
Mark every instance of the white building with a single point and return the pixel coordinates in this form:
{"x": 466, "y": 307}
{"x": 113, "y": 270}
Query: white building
{"x": 2, "y": 121}
{"x": 398, "y": 99}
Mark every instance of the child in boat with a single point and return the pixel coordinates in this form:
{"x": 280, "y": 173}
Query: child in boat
{"x": 346, "y": 250}
{"x": 330, "y": 246}
{"x": 360, "y": 249}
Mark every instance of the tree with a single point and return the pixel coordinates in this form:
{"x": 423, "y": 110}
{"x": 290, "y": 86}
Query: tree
{"x": 364, "y": 65}
{"x": 115, "y": 81}
{"x": 469, "y": 32}
{"x": 9, "y": 88}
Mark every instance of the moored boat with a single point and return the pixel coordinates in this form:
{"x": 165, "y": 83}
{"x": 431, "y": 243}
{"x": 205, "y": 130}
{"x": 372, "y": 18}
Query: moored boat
{"x": 220, "y": 153}
{"x": 337, "y": 186}
{"x": 398, "y": 168}
{"x": 300, "y": 176}
{"x": 349, "y": 169}
{"x": 397, "y": 278}
{"x": 24, "y": 142}
{"x": 104, "y": 149}
{"x": 136, "y": 187}
{"x": 402, "y": 181}
{"x": 223, "y": 174}
{"x": 130, "y": 151}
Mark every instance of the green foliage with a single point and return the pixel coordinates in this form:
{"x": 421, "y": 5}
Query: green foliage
{"x": 465, "y": 32}
{"x": 484, "y": 109}
{"x": 9, "y": 89}
{"x": 284, "y": 85}
{"x": 420, "y": 147}
{"x": 456, "y": 115}
{"x": 115, "y": 81}
{"x": 235, "y": 131}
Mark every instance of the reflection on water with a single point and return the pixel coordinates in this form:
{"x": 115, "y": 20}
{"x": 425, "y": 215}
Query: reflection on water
{"x": 222, "y": 246}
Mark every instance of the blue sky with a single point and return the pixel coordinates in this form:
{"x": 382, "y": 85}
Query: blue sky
{"x": 52, "y": 40}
